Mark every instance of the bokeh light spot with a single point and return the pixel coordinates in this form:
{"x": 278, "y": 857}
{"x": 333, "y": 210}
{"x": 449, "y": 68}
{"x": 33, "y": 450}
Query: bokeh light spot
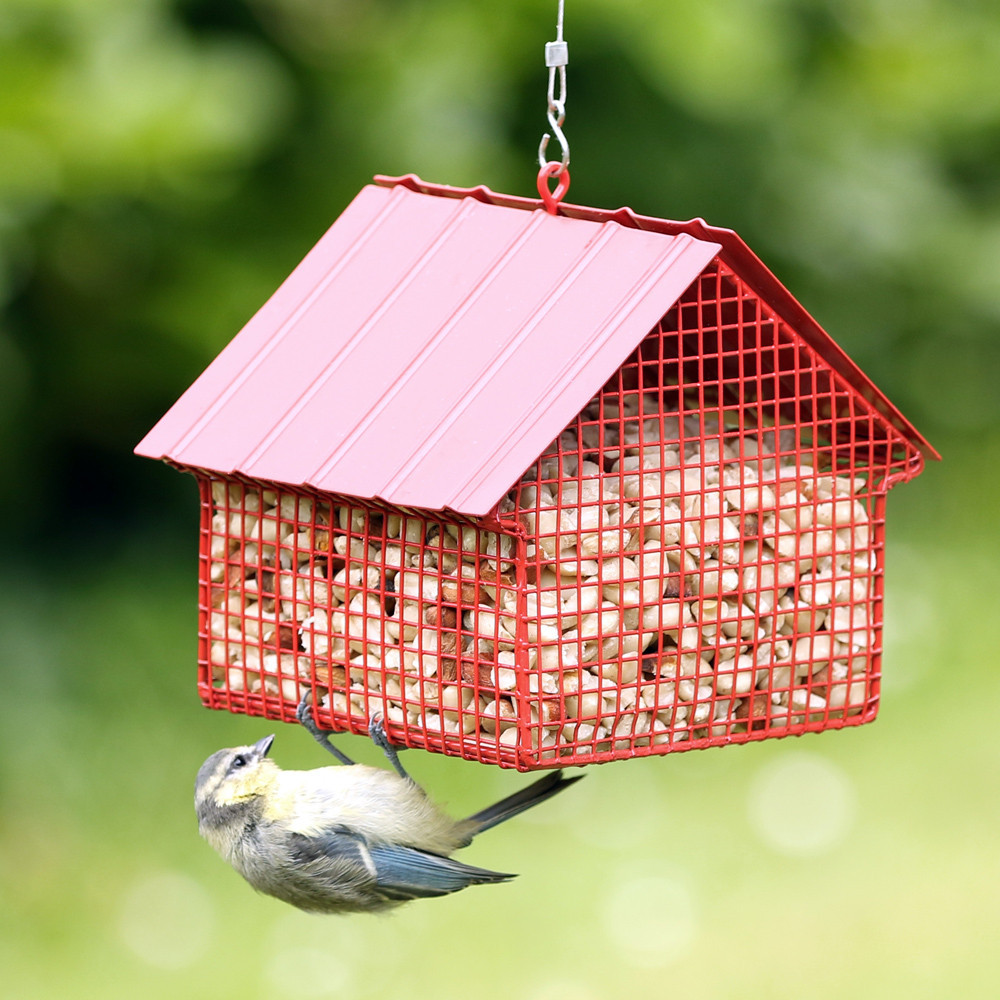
{"x": 167, "y": 919}
{"x": 801, "y": 804}
{"x": 651, "y": 917}
{"x": 305, "y": 971}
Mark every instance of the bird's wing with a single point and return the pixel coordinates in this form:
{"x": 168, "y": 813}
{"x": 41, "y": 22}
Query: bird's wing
{"x": 330, "y": 871}
{"x": 408, "y": 873}
{"x": 340, "y": 864}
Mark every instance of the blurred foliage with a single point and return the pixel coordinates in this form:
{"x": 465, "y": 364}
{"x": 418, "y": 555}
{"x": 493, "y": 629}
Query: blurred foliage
{"x": 164, "y": 165}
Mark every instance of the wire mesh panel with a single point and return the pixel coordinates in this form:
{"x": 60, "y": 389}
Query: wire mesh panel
{"x": 377, "y": 612}
{"x": 705, "y": 542}
{"x": 695, "y": 560}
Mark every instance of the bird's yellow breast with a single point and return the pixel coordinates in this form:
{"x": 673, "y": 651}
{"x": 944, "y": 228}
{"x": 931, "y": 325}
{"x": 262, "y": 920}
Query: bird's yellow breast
{"x": 373, "y": 802}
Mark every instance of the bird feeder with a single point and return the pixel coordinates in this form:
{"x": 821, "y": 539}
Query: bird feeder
{"x": 540, "y": 486}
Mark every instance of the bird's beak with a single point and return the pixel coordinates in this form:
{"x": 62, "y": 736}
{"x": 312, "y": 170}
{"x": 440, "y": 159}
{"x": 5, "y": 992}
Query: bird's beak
{"x": 262, "y": 746}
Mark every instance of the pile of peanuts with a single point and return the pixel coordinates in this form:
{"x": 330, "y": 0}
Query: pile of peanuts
{"x": 685, "y": 581}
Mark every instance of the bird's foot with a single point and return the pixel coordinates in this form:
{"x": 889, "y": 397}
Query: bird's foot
{"x": 376, "y": 730}
{"x": 322, "y": 736}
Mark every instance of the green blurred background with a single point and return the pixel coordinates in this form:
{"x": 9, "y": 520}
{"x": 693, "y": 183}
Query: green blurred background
{"x": 164, "y": 165}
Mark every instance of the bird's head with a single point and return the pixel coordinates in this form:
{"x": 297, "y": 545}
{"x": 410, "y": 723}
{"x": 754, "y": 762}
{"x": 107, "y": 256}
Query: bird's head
{"x": 234, "y": 777}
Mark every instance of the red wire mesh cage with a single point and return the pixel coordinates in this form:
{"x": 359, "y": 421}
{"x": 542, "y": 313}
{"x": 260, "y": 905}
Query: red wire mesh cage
{"x": 696, "y": 560}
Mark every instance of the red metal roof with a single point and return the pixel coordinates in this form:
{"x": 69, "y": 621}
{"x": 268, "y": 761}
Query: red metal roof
{"x": 434, "y": 342}
{"x": 428, "y": 349}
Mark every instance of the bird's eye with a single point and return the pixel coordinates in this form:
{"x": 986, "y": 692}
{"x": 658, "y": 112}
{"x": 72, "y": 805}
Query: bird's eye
{"x": 239, "y": 761}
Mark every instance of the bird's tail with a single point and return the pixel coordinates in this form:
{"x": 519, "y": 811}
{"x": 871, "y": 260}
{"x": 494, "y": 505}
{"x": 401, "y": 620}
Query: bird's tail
{"x": 553, "y": 783}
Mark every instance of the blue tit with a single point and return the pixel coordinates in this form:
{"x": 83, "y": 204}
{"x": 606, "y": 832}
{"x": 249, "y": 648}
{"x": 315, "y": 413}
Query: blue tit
{"x": 342, "y": 839}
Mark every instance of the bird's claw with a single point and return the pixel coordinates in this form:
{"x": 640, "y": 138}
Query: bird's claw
{"x": 322, "y": 736}
{"x": 304, "y": 711}
{"x": 376, "y": 731}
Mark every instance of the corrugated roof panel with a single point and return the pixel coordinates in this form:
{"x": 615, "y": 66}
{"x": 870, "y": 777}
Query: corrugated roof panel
{"x": 313, "y": 318}
{"x": 594, "y": 339}
{"x": 177, "y": 430}
{"x": 428, "y": 302}
{"x": 554, "y": 361}
{"x": 472, "y": 381}
{"x": 428, "y": 349}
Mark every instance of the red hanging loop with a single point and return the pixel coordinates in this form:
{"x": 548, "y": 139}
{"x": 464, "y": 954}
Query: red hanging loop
{"x": 552, "y": 198}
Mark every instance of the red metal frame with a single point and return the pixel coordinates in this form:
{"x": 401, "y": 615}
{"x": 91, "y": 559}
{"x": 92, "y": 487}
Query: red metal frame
{"x": 695, "y": 561}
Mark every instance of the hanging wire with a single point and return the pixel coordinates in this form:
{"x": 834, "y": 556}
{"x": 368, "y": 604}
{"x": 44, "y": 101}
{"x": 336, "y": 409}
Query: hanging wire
{"x": 556, "y": 58}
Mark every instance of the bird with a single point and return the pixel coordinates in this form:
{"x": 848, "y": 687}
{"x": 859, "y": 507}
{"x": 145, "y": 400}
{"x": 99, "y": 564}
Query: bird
{"x": 343, "y": 839}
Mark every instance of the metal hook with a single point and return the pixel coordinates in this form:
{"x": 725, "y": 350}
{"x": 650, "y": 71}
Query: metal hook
{"x": 556, "y": 116}
{"x": 556, "y": 58}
